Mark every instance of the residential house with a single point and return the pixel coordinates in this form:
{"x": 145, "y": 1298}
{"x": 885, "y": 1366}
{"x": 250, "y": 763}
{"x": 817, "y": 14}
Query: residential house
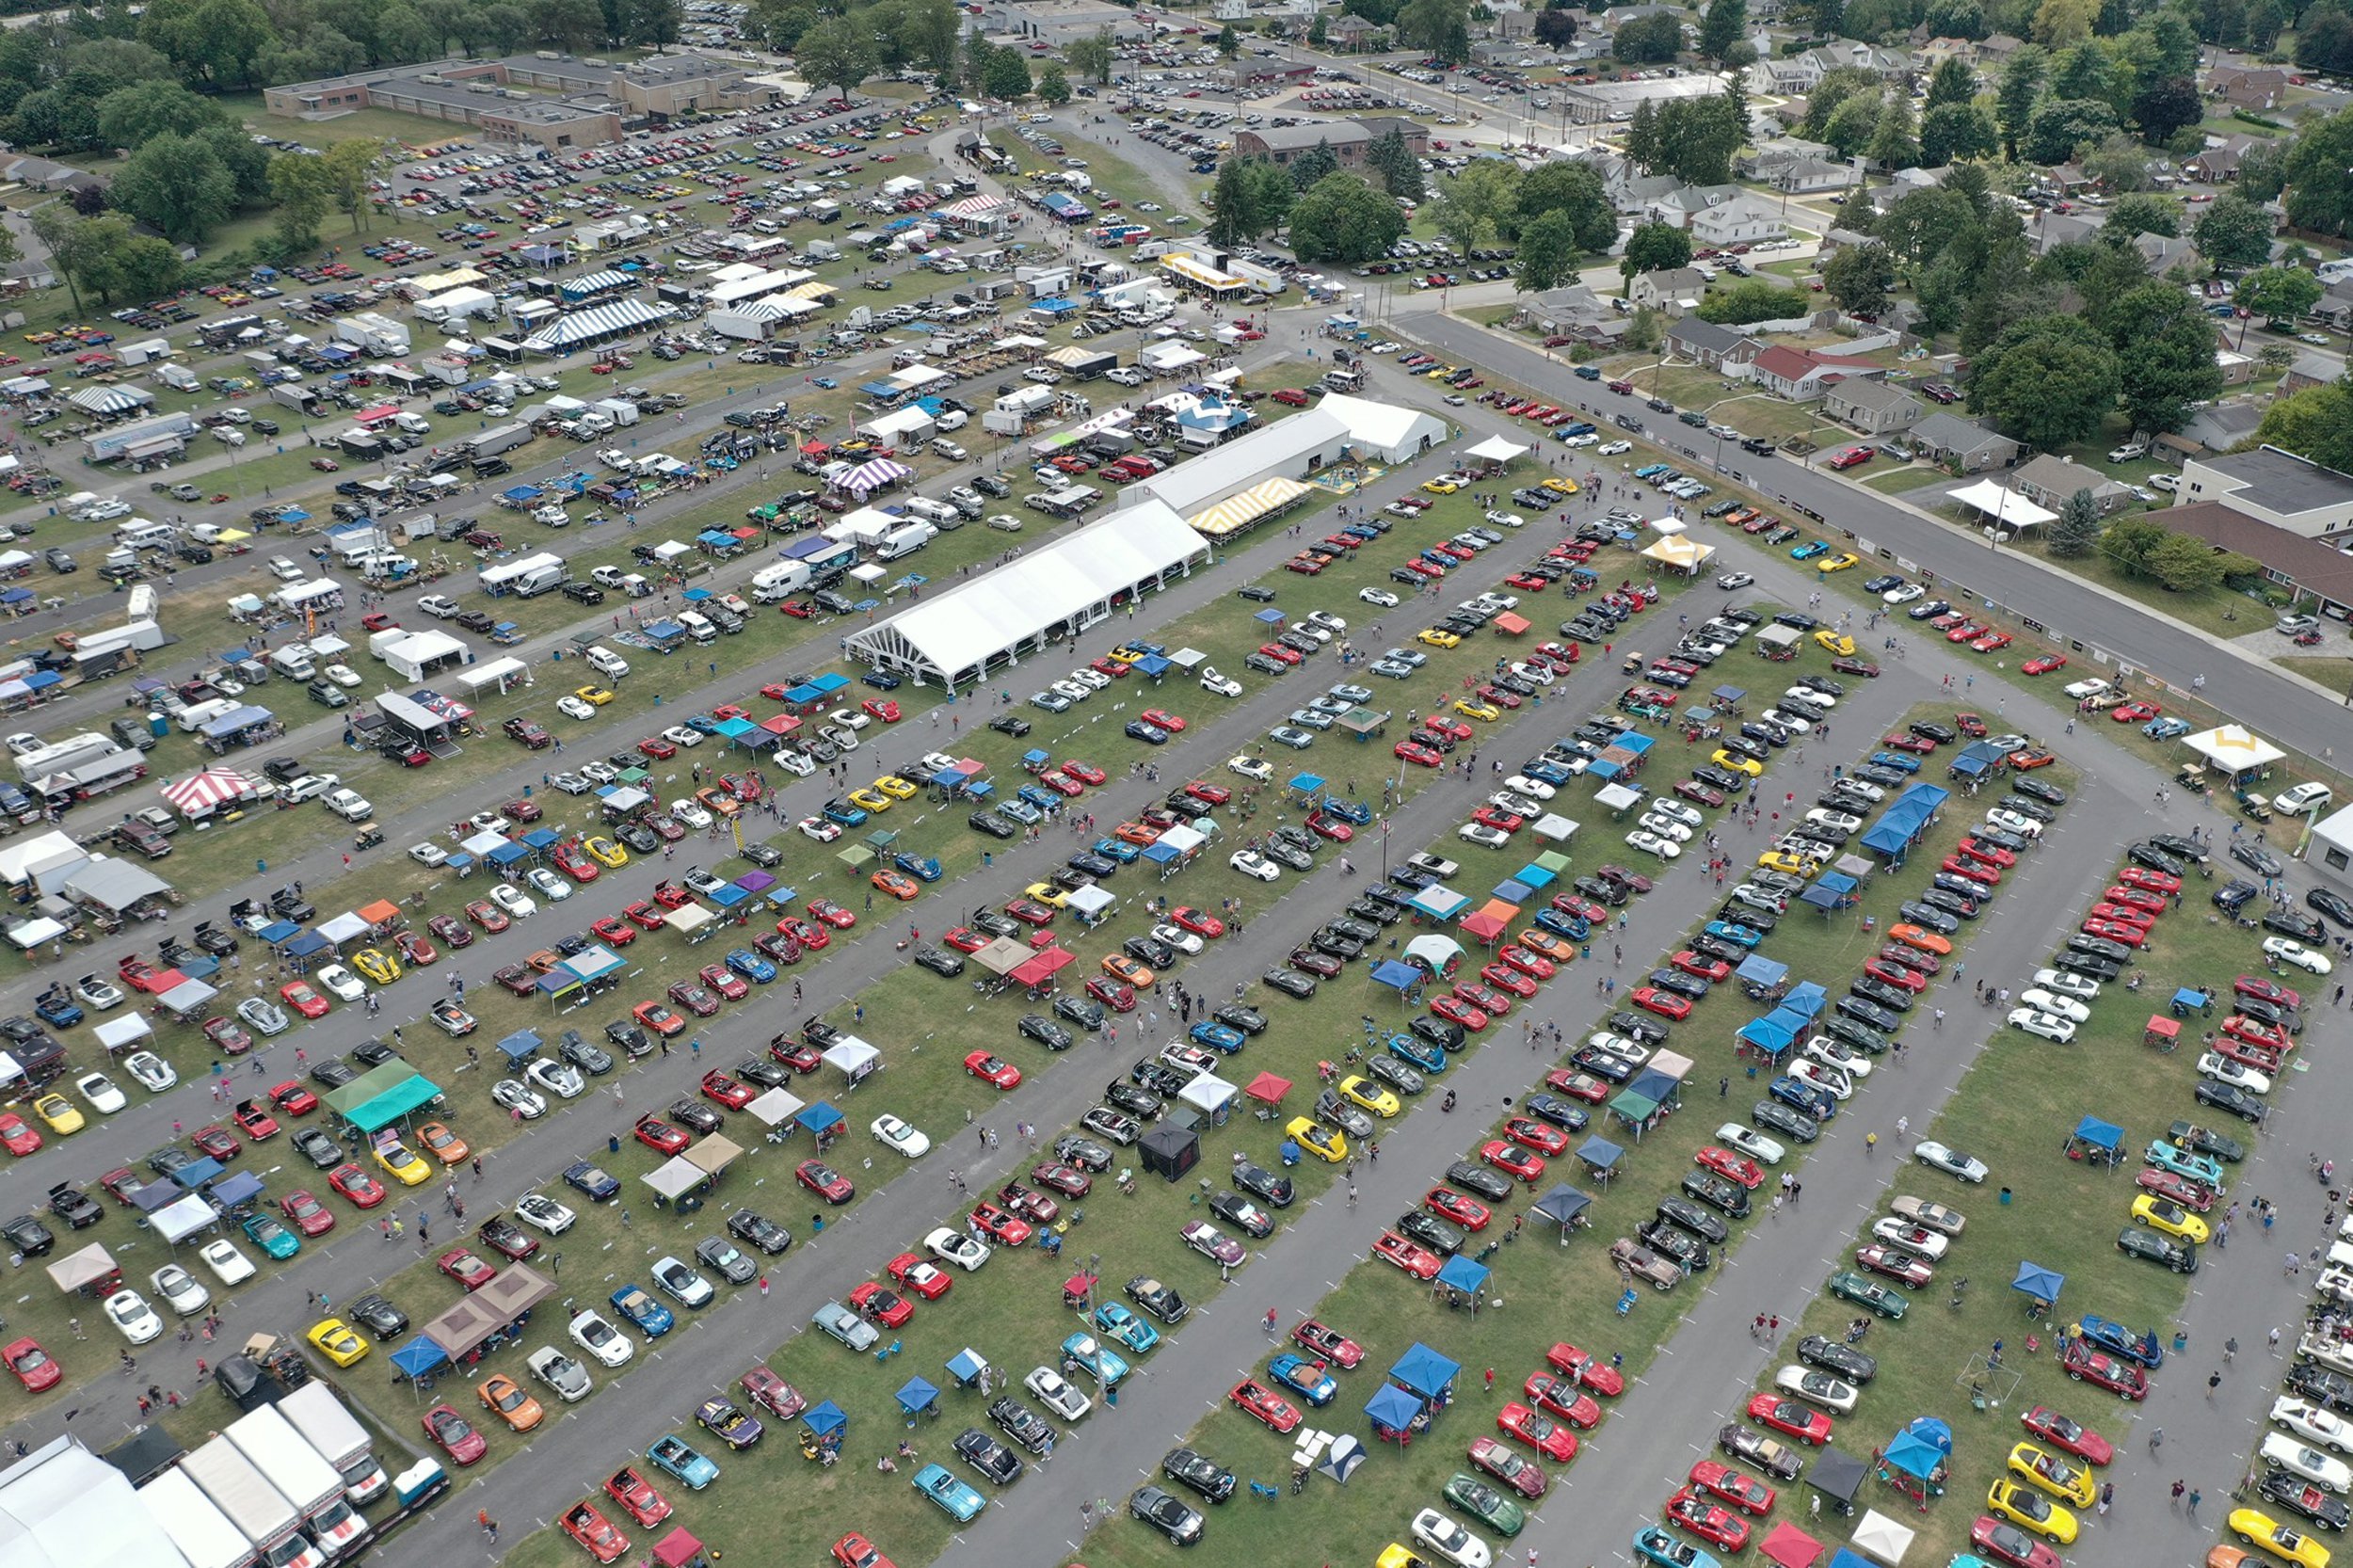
{"x": 2237, "y": 369}
{"x": 1801, "y": 375}
{"x": 1743, "y": 220}
{"x": 1571, "y": 312}
{"x": 2277, "y": 485}
{"x": 2163, "y": 254}
{"x": 1774, "y": 152}
{"x": 1809, "y": 176}
{"x": 1705, "y": 344}
{"x": 1993, "y": 52}
{"x": 2260, "y": 88}
{"x": 1887, "y": 64}
{"x": 1837, "y": 240}
{"x": 2214, "y": 429}
{"x": 1347, "y": 31}
{"x": 2048, "y": 480}
{"x": 1955, "y": 443}
{"x": 1348, "y": 139}
{"x": 2335, "y": 306}
{"x": 1873, "y": 408}
{"x": 1785, "y": 76}
{"x": 1672, "y": 289}
{"x": 2051, "y": 230}
{"x": 1634, "y": 192}
{"x": 2304, "y": 565}
{"x": 1936, "y": 51}
{"x": 1681, "y": 204}
{"x": 2217, "y": 166}
{"x": 2312, "y": 369}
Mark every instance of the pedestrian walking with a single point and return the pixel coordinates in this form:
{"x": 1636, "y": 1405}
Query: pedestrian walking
{"x": 2107, "y": 1496}
{"x": 2214, "y": 1381}
{"x": 2194, "y": 1496}
{"x": 2180, "y": 1486}
{"x": 489, "y": 1526}
{"x": 1270, "y": 1319}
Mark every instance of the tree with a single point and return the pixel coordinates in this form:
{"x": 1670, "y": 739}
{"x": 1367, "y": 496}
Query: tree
{"x": 1441, "y": 28}
{"x": 349, "y": 166}
{"x": 2185, "y": 563}
{"x": 2061, "y": 125}
{"x": 2316, "y": 422}
{"x": 2047, "y": 381}
{"x": 1092, "y": 57}
{"x": 1958, "y": 19}
{"x": 1313, "y": 167}
{"x": 301, "y": 190}
{"x": 1952, "y": 132}
{"x": 1753, "y": 300}
{"x": 2014, "y": 101}
{"x": 2165, "y": 347}
{"x": 1341, "y": 218}
{"x": 1053, "y": 86}
{"x": 2319, "y": 176}
{"x": 2274, "y": 356}
{"x": 130, "y": 117}
{"x": 1653, "y": 40}
{"x": 246, "y": 162}
{"x": 1547, "y": 255}
{"x": 2059, "y": 22}
{"x": 1861, "y": 278}
{"x": 654, "y": 22}
{"x": 2143, "y": 213}
{"x": 2120, "y": 165}
{"x": 1472, "y": 207}
{"x": 1726, "y": 24}
{"x": 2077, "y": 533}
{"x": 1555, "y": 27}
{"x": 1388, "y": 156}
{"x": 1252, "y": 198}
{"x": 148, "y": 268}
{"x": 1953, "y": 82}
{"x": 1228, "y": 41}
{"x": 1574, "y": 189}
{"x": 2234, "y": 233}
{"x": 176, "y": 185}
{"x": 79, "y": 247}
{"x": 1894, "y": 144}
{"x": 2131, "y": 540}
{"x": 1319, "y": 32}
{"x": 1641, "y": 137}
{"x": 781, "y": 23}
{"x": 1653, "y": 248}
{"x": 2166, "y": 108}
{"x": 1645, "y": 331}
{"x": 1853, "y": 125}
{"x": 2003, "y": 289}
{"x": 840, "y": 53}
{"x": 504, "y": 27}
{"x": 2324, "y": 38}
{"x": 2278, "y": 294}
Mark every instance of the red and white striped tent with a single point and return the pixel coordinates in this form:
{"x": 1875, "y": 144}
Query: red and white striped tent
{"x": 208, "y": 790}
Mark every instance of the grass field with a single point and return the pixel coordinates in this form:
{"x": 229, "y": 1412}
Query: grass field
{"x": 1912, "y": 476}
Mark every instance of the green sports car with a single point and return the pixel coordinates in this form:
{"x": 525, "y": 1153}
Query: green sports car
{"x": 1868, "y": 1293}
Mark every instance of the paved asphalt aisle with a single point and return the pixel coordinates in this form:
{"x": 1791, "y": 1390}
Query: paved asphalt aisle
{"x": 2241, "y": 683}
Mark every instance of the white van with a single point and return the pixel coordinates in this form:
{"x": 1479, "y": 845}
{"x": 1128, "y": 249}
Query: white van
{"x": 607, "y": 664}
{"x": 697, "y": 628}
{"x": 142, "y": 535}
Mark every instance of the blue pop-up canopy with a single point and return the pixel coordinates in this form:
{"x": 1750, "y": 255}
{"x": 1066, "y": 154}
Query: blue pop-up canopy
{"x": 825, "y": 1419}
{"x": 1599, "y": 1152}
{"x": 1306, "y": 783}
{"x": 1424, "y": 1372}
{"x": 420, "y": 1356}
{"x": 1391, "y": 973}
{"x": 916, "y": 1395}
{"x": 1761, "y": 970}
{"x": 1914, "y": 1456}
{"x": 820, "y": 1118}
{"x": 2043, "y": 1284}
{"x": 1392, "y": 1407}
{"x": 1563, "y": 1205}
{"x": 242, "y": 1186}
{"x": 2099, "y": 1134}
{"x": 1461, "y": 1274}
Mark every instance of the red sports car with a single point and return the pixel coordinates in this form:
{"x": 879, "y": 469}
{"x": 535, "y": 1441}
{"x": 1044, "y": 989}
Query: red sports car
{"x": 658, "y": 1019}
{"x": 2135, "y": 712}
{"x": 1896, "y": 975}
{"x": 1455, "y": 1010}
{"x": 1541, "y": 1433}
{"x": 303, "y": 999}
{"x": 964, "y": 939}
{"x": 1060, "y": 783}
{"x": 631, "y": 1490}
{"x": 1418, "y": 754}
{"x": 1162, "y": 719}
{"x": 466, "y": 1268}
{"x": 1029, "y": 911}
{"x": 1504, "y": 978}
{"x": 1513, "y": 1160}
{"x": 992, "y": 1070}
{"x": 488, "y": 915}
{"x": 1790, "y": 1418}
{"x": 693, "y": 998}
{"x": 1199, "y": 922}
{"x": 2045, "y": 665}
{"x": 1741, "y": 1490}
{"x": 658, "y": 749}
{"x": 881, "y": 1304}
{"x": 1497, "y": 818}
{"x": 32, "y": 1365}
{"x": 646, "y": 916}
{"x": 882, "y": 708}
{"x": 2135, "y": 898}
{"x": 2177, "y": 1189}
{"x": 1712, "y": 970}
{"x": 1577, "y": 1086}
{"x": 230, "y": 1038}
{"x": 1992, "y": 642}
{"x": 1897, "y": 1264}
{"x": 2006, "y": 1542}
{"x": 1070, "y": 1181}
{"x": 2149, "y": 880}
{"x": 799, "y": 1055}
{"x": 1727, "y": 1163}
{"x": 572, "y": 863}
{"x": 1563, "y": 1398}
{"x": 1262, "y": 1403}
{"x": 293, "y": 1098}
{"x": 660, "y": 1136}
{"x": 1543, "y": 1137}
{"x": 728, "y": 1092}
{"x": 307, "y": 1214}
{"x": 595, "y": 1534}
{"x": 1331, "y": 828}
{"x": 1523, "y": 1476}
{"x": 1118, "y": 995}
{"x": 730, "y": 985}
{"x": 1665, "y": 1003}
{"x": 2066, "y": 1435}
{"x": 1001, "y": 1225}
{"x": 825, "y": 912}
{"x": 2117, "y": 931}
{"x": 1589, "y": 1372}
{"x": 1460, "y": 1208}
{"x": 1533, "y": 965}
{"x": 1705, "y": 1519}
{"x": 254, "y": 1122}
{"x": 363, "y": 1189}
{"x": 1416, "y": 1260}
{"x": 1329, "y": 1343}
{"x": 1280, "y": 654}
{"x": 2086, "y": 1365}
{"x": 2123, "y": 913}
{"x": 1085, "y": 773}
{"x": 822, "y": 1180}
{"x": 1991, "y": 853}
{"x": 918, "y": 1275}
{"x": 448, "y": 1429}
{"x": 215, "y": 1142}
{"x": 612, "y": 930}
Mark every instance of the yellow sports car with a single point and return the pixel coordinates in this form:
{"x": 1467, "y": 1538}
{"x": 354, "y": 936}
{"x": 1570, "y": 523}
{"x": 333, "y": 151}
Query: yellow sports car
{"x": 403, "y": 1166}
{"x": 869, "y": 800}
{"x": 2067, "y": 1481}
{"x": 1440, "y": 487}
{"x": 1839, "y": 561}
{"x": 1479, "y": 711}
{"x": 1324, "y": 1143}
{"x": 1558, "y": 486}
{"x": 2258, "y": 1528}
{"x": 2171, "y": 1218}
{"x": 1371, "y": 1095}
{"x": 1836, "y": 642}
{"x": 1738, "y": 763}
{"x": 596, "y": 697}
{"x": 376, "y": 965}
{"x": 1780, "y": 860}
{"x": 1436, "y": 638}
{"x": 59, "y": 1114}
{"x": 605, "y": 852}
{"x": 332, "y": 1339}
{"x": 2030, "y": 1509}
{"x": 1046, "y": 893}
{"x": 895, "y": 787}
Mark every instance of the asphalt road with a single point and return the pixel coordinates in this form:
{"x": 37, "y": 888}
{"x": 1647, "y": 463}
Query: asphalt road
{"x": 2240, "y": 684}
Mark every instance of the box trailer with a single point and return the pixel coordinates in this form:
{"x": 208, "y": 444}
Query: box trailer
{"x": 301, "y": 1475}
{"x": 302, "y": 400}
{"x": 241, "y": 1492}
{"x": 619, "y": 409}
{"x": 203, "y": 1532}
{"x": 497, "y": 440}
{"x": 372, "y": 333}
{"x": 781, "y": 581}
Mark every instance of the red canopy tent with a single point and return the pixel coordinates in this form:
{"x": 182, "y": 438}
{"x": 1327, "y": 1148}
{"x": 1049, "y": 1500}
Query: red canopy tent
{"x": 1789, "y": 1546}
{"x": 1040, "y": 966}
{"x": 680, "y": 1549}
{"x": 1483, "y": 925}
{"x": 1267, "y": 1087}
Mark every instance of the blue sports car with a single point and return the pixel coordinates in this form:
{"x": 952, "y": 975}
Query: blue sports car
{"x": 1117, "y": 849}
{"x": 1653, "y": 1544}
{"x": 962, "y": 1502}
{"x": 671, "y": 1456}
{"x": 1561, "y": 923}
{"x": 1217, "y": 1036}
{"x": 1305, "y": 1378}
{"x": 1119, "y": 1323}
{"x": 1727, "y": 930}
{"x": 271, "y": 1237}
{"x": 920, "y": 867}
{"x": 651, "y": 1316}
{"x": 1354, "y": 811}
{"x": 1104, "y": 1365}
{"x": 1430, "y": 1058}
{"x": 751, "y": 966}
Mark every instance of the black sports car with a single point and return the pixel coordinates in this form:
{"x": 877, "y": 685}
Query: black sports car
{"x": 1432, "y": 1232}
{"x": 1292, "y": 984}
{"x": 1248, "y": 1019}
{"x": 318, "y": 1148}
{"x": 1262, "y": 1183}
{"x": 753, "y": 1230}
{"x": 1084, "y": 1011}
{"x": 1025, "y": 1426}
{"x": 1718, "y": 1193}
{"x": 1831, "y": 1357}
{"x": 1560, "y": 1112}
{"x": 378, "y": 1316}
{"x": 2230, "y": 1097}
{"x": 1479, "y": 1180}
{"x": 1445, "y": 1034}
{"x": 1676, "y": 1242}
{"x": 2334, "y": 905}
{"x": 1160, "y": 1300}
{"x": 1045, "y": 1031}
{"x": 1198, "y": 1473}
{"x": 1700, "y": 1221}
{"x": 940, "y": 962}
{"x": 993, "y": 1460}
{"x": 2290, "y": 922}
{"x": 1796, "y": 1126}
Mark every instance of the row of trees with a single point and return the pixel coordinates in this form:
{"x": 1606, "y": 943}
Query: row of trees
{"x": 2143, "y": 546}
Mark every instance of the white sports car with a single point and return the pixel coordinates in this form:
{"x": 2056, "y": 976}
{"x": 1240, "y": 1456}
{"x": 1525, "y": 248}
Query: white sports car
{"x": 1666, "y": 849}
{"x": 908, "y": 1141}
{"x": 2045, "y": 1025}
{"x": 1750, "y": 1142}
{"x": 2297, "y": 953}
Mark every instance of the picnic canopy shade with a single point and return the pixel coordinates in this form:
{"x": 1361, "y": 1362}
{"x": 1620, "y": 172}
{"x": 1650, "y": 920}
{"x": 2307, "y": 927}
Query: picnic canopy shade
{"x": 916, "y": 1395}
{"x": 775, "y": 1106}
{"x": 1484, "y": 925}
{"x": 1837, "y": 1475}
{"x": 2099, "y": 1134}
{"x": 1599, "y": 1152}
{"x": 1914, "y": 1455}
{"x": 966, "y": 1366}
{"x": 1392, "y": 1407}
{"x": 1041, "y": 966}
{"x": 1002, "y": 956}
{"x": 1424, "y": 1372}
{"x": 1529, "y": 879}
{"x": 820, "y": 1118}
{"x": 1439, "y": 902}
{"x": 1789, "y": 1546}
{"x": 1267, "y": 1087}
{"x": 1761, "y": 970}
{"x": 1306, "y": 783}
{"x": 87, "y": 1267}
{"x": 1880, "y": 1537}
{"x": 680, "y": 1548}
{"x": 713, "y": 1153}
{"x": 419, "y": 1356}
{"x": 674, "y": 1178}
{"x": 1461, "y": 1273}
{"x": 1440, "y": 956}
{"x": 2233, "y": 749}
{"x": 1509, "y": 625}
{"x": 1563, "y": 1205}
{"x": 2003, "y": 505}
{"x": 1401, "y": 976}
{"x": 825, "y": 1419}
{"x": 2043, "y": 1284}
{"x": 2162, "y": 1028}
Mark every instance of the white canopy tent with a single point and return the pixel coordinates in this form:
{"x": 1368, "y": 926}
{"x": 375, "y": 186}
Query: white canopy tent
{"x": 687, "y": 918}
{"x": 1617, "y": 797}
{"x": 675, "y": 1178}
{"x": 132, "y": 1029}
{"x": 345, "y": 927}
{"x": 776, "y": 1106}
{"x": 1498, "y": 450}
{"x": 1210, "y": 1094}
{"x": 177, "y": 1221}
{"x": 1883, "y": 1538}
{"x": 1680, "y": 552}
{"x": 1555, "y": 826}
{"x": 2007, "y": 509}
{"x": 1092, "y": 899}
{"x": 2232, "y": 748}
{"x": 854, "y": 1056}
